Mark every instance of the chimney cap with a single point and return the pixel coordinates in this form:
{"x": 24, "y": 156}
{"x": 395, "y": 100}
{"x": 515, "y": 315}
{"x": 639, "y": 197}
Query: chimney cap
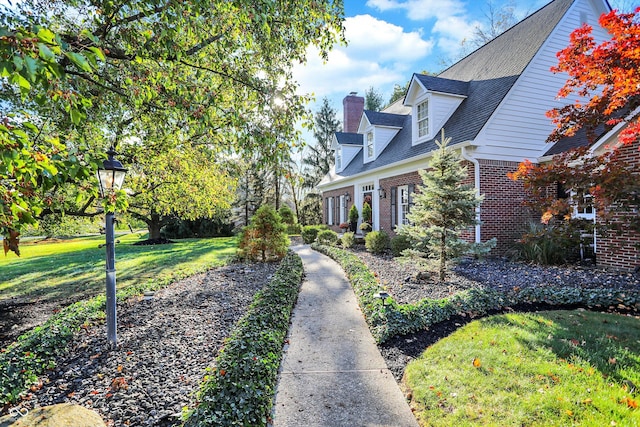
{"x": 353, "y": 93}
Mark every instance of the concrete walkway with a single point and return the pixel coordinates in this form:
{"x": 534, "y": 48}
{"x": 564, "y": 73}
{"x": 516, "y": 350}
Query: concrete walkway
{"x": 332, "y": 373}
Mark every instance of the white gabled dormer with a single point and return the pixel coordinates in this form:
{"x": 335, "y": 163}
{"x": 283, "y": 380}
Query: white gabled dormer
{"x": 432, "y": 100}
{"x": 346, "y": 147}
{"x": 378, "y": 129}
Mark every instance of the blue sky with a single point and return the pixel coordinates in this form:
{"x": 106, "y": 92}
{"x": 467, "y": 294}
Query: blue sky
{"x": 389, "y": 40}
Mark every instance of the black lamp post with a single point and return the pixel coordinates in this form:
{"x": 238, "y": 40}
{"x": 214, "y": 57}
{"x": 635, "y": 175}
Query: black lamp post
{"x": 110, "y": 177}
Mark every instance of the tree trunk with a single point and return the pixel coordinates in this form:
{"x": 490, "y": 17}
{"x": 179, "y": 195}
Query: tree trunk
{"x": 154, "y": 225}
{"x": 443, "y": 255}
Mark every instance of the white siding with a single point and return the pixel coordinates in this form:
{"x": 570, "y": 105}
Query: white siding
{"x": 519, "y": 127}
{"x": 348, "y": 153}
{"x": 382, "y": 138}
{"x": 442, "y": 107}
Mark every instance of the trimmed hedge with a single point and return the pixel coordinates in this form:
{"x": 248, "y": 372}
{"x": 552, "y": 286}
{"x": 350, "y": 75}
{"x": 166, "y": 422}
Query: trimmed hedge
{"x": 402, "y": 319}
{"x": 239, "y": 390}
{"x": 36, "y": 351}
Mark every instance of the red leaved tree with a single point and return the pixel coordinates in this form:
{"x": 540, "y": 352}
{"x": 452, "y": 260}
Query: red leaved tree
{"x": 607, "y": 78}
{"x": 608, "y": 74}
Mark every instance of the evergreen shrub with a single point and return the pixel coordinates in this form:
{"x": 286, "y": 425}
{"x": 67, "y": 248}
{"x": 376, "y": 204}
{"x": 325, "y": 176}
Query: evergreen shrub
{"x": 376, "y": 242}
{"x": 327, "y": 237}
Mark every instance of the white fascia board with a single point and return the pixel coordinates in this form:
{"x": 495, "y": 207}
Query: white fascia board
{"x": 410, "y": 97}
{"x": 392, "y": 169}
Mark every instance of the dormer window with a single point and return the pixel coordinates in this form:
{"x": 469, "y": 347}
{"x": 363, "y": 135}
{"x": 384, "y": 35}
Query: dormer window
{"x": 370, "y": 144}
{"x": 338, "y": 158}
{"x": 423, "y": 119}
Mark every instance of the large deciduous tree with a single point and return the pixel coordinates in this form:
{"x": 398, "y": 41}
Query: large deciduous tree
{"x": 209, "y": 70}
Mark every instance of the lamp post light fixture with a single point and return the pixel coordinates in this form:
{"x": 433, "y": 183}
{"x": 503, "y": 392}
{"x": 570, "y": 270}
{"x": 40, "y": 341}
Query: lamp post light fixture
{"x": 347, "y": 196}
{"x": 110, "y": 178}
{"x": 382, "y": 193}
{"x": 383, "y": 296}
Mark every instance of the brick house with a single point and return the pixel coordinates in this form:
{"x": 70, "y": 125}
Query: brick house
{"x": 491, "y": 104}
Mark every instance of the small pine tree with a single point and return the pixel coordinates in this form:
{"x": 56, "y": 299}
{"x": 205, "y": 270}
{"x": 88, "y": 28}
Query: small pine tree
{"x": 265, "y": 238}
{"x": 443, "y": 207}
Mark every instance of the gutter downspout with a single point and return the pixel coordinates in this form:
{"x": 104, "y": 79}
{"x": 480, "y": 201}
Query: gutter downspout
{"x": 476, "y": 173}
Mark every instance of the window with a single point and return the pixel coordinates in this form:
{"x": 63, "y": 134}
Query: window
{"x": 338, "y": 158}
{"x": 423, "y": 119}
{"x": 369, "y": 145}
{"x": 403, "y": 204}
{"x": 582, "y": 204}
{"x": 343, "y": 209}
{"x": 330, "y": 211}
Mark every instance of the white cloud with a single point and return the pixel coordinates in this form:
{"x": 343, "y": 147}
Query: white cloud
{"x": 451, "y": 24}
{"x": 419, "y": 10}
{"x": 452, "y": 31}
{"x": 378, "y": 54}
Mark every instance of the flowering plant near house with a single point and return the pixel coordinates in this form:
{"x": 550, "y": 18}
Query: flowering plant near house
{"x": 343, "y": 225}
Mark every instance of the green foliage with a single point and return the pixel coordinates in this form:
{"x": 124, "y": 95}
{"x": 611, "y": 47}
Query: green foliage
{"x": 401, "y": 319}
{"x": 310, "y": 233}
{"x": 443, "y": 208}
{"x": 265, "y": 238}
{"x": 399, "y": 243}
{"x": 201, "y": 227}
{"x": 376, "y": 242}
{"x": 319, "y": 159}
{"x": 552, "y": 243}
{"x": 36, "y": 351}
{"x": 373, "y": 100}
{"x": 294, "y": 229}
{"x": 327, "y": 237}
{"x": 240, "y": 390}
{"x": 155, "y": 82}
{"x": 287, "y": 215}
{"x": 311, "y": 209}
{"x": 348, "y": 239}
{"x": 564, "y": 368}
{"x": 366, "y": 212}
{"x": 354, "y": 214}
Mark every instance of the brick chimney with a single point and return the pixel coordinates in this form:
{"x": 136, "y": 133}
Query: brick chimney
{"x": 353, "y": 107}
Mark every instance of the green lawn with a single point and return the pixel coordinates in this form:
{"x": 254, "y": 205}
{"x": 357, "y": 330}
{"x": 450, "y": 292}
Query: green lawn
{"x": 556, "y": 368}
{"x": 75, "y": 268}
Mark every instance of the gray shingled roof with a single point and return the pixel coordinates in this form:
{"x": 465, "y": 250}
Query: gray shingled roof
{"x": 377, "y": 118}
{"x": 349, "y": 138}
{"x": 490, "y": 71}
{"x": 440, "y": 84}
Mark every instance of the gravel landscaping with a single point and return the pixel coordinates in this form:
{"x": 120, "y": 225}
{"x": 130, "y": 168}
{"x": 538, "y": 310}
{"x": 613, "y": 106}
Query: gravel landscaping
{"x": 165, "y": 344}
{"x": 401, "y": 282}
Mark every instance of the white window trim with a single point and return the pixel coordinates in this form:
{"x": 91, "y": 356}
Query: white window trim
{"x": 339, "y": 159}
{"x": 367, "y": 157}
{"x": 402, "y": 218}
{"x": 343, "y": 205}
{"x": 424, "y": 98}
{"x": 330, "y": 213}
{"x": 581, "y": 214}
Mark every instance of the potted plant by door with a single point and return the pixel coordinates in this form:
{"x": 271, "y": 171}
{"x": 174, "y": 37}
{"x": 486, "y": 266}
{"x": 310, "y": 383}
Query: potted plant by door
{"x": 365, "y": 227}
{"x": 353, "y": 219}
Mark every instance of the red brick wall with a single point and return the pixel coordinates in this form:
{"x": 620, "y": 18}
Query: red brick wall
{"x": 385, "y": 204}
{"x": 619, "y": 249}
{"x": 502, "y": 214}
{"x": 336, "y": 194}
{"x": 353, "y": 107}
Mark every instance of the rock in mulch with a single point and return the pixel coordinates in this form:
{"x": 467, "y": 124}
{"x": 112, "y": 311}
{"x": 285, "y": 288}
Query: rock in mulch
{"x": 63, "y": 415}
{"x": 165, "y": 343}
